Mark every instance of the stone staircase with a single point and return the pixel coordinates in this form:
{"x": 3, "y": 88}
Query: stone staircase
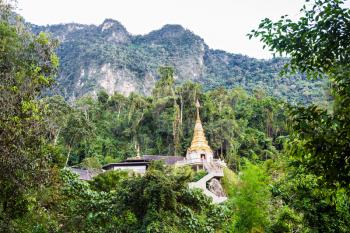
{"x": 214, "y": 171}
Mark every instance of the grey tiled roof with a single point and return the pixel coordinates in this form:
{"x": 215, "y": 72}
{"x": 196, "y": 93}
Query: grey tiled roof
{"x": 85, "y": 174}
{"x": 145, "y": 160}
{"x": 167, "y": 159}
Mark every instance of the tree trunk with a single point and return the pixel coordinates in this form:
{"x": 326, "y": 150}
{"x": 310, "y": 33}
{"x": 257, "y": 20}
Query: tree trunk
{"x": 68, "y": 155}
{"x": 119, "y": 107}
{"x": 56, "y": 137}
{"x": 181, "y": 109}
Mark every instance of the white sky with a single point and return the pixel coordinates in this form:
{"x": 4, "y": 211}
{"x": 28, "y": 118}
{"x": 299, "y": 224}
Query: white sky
{"x": 223, "y": 24}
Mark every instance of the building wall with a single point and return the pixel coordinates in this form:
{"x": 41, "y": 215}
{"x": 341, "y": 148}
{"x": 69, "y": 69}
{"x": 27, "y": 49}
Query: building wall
{"x": 139, "y": 169}
{"x": 197, "y": 155}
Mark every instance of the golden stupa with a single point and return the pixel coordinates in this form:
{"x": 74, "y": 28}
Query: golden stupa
{"x": 199, "y": 142}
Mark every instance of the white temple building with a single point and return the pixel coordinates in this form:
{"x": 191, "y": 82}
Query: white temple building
{"x": 199, "y": 156}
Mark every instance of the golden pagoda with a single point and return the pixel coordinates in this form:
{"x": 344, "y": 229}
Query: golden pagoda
{"x": 199, "y": 147}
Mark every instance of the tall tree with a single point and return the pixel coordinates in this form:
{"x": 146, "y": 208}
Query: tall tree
{"x": 165, "y": 85}
{"x": 251, "y": 200}
{"x": 319, "y": 149}
{"x": 78, "y": 129}
{"x": 27, "y": 66}
{"x": 318, "y": 45}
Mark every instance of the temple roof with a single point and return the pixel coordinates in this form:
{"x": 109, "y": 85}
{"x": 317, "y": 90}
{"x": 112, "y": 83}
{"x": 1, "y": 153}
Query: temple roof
{"x": 85, "y": 174}
{"x": 199, "y": 142}
{"x": 145, "y": 160}
{"x": 170, "y": 160}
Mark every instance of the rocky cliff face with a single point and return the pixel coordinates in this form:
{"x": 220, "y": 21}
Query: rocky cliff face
{"x": 112, "y": 31}
{"x": 215, "y": 187}
{"x": 108, "y": 57}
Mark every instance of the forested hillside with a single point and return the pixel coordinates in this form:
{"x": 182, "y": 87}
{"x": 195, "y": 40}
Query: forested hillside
{"x": 111, "y": 128}
{"x": 108, "y": 57}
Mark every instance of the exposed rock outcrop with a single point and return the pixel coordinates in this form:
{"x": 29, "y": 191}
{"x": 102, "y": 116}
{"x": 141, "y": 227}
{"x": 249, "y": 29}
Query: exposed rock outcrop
{"x": 215, "y": 187}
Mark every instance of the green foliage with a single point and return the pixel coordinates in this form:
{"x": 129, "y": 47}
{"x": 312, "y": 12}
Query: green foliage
{"x": 77, "y": 130}
{"x": 324, "y": 209}
{"x": 236, "y": 124}
{"x": 165, "y": 86}
{"x": 91, "y": 163}
{"x": 102, "y": 97}
{"x": 304, "y": 189}
{"x": 27, "y": 66}
{"x": 199, "y": 175}
{"x": 317, "y": 183}
{"x": 287, "y": 221}
{"x": 229, "y": 182}
{"x": 318, "y": 53}
{"x": 109, "y": 180}
{"x": 317, "y": 43}
{"x": 159, "y": 201}
{"x": 250, "y": 202}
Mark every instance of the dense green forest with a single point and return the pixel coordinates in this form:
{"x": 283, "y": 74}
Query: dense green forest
{"x": 111, "y": 128}
{"x": 288, "y": 166}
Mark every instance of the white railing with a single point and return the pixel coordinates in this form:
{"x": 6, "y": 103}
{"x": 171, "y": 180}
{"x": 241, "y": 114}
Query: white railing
{"x": 220, "y": 162}
{"x": 216, "y": 165}
{"x": 190, "y": 161}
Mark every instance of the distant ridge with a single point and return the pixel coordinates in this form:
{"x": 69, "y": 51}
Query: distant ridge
{"x": 107, "y": 56}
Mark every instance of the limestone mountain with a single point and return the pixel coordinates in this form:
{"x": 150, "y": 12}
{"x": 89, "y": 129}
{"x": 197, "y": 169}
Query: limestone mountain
{"x": 108, "y": 57}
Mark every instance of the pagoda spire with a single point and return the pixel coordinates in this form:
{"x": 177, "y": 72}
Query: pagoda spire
{"x": 199, "y": 141}
{"x": 197, "y": 107}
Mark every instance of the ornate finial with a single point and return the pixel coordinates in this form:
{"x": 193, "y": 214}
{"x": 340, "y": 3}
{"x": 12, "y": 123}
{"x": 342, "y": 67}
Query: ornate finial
{"x": 197, "y": 104}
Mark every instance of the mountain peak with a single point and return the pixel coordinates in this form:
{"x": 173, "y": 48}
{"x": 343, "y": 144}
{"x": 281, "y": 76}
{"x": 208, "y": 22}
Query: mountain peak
{"x": 111, "y": 24}
{"x": 170, "y": 31}
{"x": 173, "y": 27}
{"x": 114, "y": 31}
